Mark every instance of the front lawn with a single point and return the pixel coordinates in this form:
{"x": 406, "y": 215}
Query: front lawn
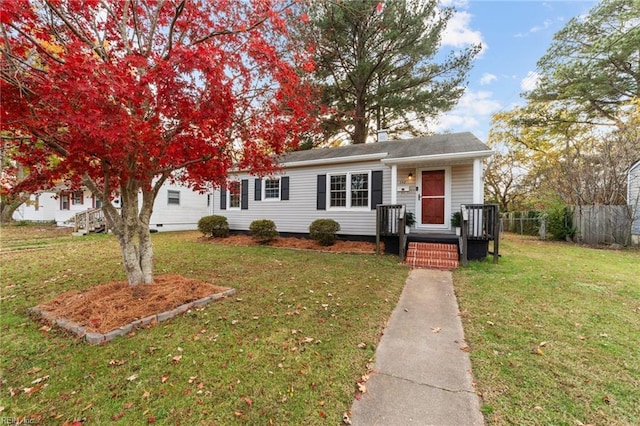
{"x": 283, "y": 350}
{"x": 554, "y": 331}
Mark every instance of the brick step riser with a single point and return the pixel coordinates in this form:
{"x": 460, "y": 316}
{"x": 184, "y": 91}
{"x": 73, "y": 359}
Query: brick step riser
{"x": 448, "y": 265}
{"x": 433, "y": 254}
{"x": 433, "y": 247}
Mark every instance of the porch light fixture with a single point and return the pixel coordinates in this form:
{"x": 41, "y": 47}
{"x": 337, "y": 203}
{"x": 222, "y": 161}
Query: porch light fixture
{"x": 410, "y": 176}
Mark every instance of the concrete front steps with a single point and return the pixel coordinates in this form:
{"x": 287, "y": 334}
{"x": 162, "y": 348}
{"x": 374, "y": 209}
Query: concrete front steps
{"x": 432, "y": 255}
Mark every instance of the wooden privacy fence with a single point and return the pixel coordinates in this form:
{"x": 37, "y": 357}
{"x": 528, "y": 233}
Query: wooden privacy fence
{"x": 603, "y": 224}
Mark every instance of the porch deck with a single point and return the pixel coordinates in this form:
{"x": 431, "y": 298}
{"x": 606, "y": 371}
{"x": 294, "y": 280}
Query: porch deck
{"x": 432, "y": 237}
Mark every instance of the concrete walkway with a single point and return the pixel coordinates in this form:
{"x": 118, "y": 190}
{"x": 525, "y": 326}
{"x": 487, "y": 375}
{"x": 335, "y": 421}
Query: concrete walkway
{"x": 421, "y": 375}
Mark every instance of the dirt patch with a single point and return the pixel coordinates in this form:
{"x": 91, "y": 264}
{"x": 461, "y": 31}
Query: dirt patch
{"x": 340, "y": 246}
{"x": 108, "y": 306}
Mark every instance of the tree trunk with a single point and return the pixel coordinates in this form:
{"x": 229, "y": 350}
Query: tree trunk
{"x": 131, "y": 228}
{"x": 8, "y": 207}
{"x": 360, "y": 122}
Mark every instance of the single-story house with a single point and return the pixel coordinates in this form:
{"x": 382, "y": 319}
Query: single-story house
{"x": 432, "y": 176}
{"x": 177, "y": 208}
{"x": 633, "y": 200}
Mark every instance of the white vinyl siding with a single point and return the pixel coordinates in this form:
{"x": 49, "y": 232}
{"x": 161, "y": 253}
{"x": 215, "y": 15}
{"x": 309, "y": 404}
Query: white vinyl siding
{"x": 296, "y": 214}
{"x": 461, "y": 186}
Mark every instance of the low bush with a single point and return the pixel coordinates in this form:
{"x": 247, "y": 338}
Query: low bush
{"x": 263, "y": 230}
{"x": 324, "y": 231}
{"x": 215, "y": 226}
{"x": 560, "y": 223}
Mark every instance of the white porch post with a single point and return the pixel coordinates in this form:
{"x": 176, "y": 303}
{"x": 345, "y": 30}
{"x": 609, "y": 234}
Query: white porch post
{"x": 394, "y": 184}
{"x": 478, "y": 182}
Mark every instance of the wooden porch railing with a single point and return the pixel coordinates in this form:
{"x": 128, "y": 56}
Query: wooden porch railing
{"x": 390, "y": 221}
{"x": 480, "y": 222}
{"x": 91, "y": 220}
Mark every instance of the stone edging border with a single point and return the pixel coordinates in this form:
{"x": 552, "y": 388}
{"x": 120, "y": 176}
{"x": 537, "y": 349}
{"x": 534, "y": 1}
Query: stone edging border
{"x": 94, "y": 338}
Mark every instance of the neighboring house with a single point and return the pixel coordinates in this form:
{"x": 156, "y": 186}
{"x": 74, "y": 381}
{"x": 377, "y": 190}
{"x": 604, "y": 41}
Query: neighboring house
{"x": 431, "y": 175}
{"x": 176, "y": 207}
{"x": 633, "y": 200}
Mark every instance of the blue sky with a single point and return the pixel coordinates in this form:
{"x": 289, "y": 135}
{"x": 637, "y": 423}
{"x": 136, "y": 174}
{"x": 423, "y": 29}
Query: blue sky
{"x": 515, "y": 35}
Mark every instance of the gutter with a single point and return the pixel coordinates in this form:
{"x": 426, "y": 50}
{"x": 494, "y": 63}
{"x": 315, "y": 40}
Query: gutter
{"x": 438, "y": 157}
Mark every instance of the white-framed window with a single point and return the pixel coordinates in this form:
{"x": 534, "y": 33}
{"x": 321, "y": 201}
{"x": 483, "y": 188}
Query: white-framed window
{"x": 349, "y": 190}
{"x": 65, "y": 201}
{"x": 173, "y": 197}
{"x": 234, "y": 194}
{"x": 271, "y": 189}
{"x": 77, "y": 198}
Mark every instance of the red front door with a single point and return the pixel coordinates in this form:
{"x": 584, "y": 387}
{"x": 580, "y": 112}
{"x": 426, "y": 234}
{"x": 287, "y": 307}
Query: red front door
{"x": 433, "y": 197}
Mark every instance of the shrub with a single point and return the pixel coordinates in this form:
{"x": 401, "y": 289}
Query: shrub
{"x": 560, "y": 223}
{"x": 263, "y": 230}
{"x": 324, "y": 231}
{"x": 215, "y": 226}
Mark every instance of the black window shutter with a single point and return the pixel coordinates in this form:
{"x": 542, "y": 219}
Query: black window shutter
{"x": 376, "y": 188}
{"x": 223, "y": 198}
{"x": 284, "y": 188}
{"x": 244, "y": 194}
{"x": 321, "y": 194}
{"x": 258, "y": 190}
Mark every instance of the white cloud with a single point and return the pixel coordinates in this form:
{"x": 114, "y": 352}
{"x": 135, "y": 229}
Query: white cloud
{"x": 530, "y": 82}
{"x": 459, "y": 33}
{"x": 472, "y": 114}
{"x": 487, "y": 78}
{"x": 546, "y": 24}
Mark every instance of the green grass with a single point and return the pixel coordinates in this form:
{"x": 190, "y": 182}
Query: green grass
{"x": 245, "y": 360}
{"x": 582, "y": 305}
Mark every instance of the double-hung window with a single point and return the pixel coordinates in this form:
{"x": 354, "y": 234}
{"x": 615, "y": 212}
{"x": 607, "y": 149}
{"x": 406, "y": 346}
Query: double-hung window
{"x": 234, "y": 194}
{"x": 272, "y": 189}
{"x": 173, "y": 197}
{"x": 349, "y": 190}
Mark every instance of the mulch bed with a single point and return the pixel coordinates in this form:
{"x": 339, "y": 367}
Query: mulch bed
{"x": 340, "y": 246}
{"x": 112, "y": 305}
{"x": 108, "y": 306}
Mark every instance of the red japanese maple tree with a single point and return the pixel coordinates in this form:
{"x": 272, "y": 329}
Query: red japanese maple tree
{"x": 121, "y": 96}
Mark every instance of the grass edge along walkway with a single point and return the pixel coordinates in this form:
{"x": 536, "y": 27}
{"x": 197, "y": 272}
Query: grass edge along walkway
{"x": 554, "y": 333}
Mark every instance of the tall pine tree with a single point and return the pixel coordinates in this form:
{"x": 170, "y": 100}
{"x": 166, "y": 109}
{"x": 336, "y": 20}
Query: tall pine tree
{"x": 377, "y": 63}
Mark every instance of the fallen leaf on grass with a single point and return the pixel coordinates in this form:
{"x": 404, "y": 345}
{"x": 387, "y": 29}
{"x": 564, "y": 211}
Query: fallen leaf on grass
{"x": 118, "y": 416}
{"x": 362, "y": 388}
{"x": 146, "y": 394}
{"x": 164, "y": 379}
{"x": 346, "y": 418}
{"x": 33, "y": 370}
{"x": 132, "y": 377}
{"x": 117, "y": 362}
{"x": 176, "y": 359}
{"x": 39, "y": 380}
{"x": 465, "y": 349}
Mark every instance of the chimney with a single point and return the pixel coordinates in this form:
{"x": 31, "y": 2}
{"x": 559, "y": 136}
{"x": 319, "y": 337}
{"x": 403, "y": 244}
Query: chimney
{"x": 382, "y": 135}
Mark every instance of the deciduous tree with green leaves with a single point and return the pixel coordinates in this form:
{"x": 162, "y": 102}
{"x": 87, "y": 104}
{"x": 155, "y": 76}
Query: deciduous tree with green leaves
{"x": 381, "y": 61}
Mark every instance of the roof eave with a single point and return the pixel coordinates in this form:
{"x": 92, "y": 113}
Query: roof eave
{"x": 335, "y": 160}
{"x": 439, "y": 157}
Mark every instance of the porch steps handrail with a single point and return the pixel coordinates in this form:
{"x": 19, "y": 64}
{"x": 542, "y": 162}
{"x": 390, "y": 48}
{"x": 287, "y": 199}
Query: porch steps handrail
{"x": 390, "y": 221}
{"x": 480, "y": 222}
{"x": 91, "y": 220}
